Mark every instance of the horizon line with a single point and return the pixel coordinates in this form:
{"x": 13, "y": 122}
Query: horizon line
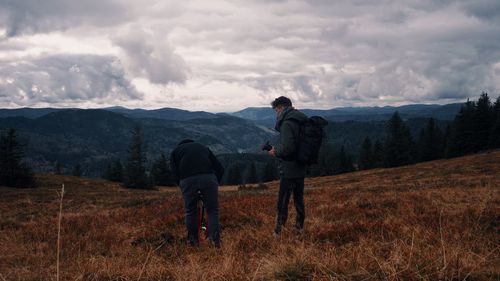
{"x": 217, "y": 112}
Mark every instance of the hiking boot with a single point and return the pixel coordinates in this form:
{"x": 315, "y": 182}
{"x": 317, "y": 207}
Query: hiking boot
{"x": 216, "y": 243}
{"x": 193, "y": 241}
{"x": 276, "y": 233}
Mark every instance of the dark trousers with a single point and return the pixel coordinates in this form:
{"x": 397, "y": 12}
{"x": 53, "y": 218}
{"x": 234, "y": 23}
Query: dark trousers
{"x": 287, "y": 187}
{"x": 208, "y": 185}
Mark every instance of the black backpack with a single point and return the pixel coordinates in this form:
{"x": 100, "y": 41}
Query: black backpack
{"x": 311, "y": 136}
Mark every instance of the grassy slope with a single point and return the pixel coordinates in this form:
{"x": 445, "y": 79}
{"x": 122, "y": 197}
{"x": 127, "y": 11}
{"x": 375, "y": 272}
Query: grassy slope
{"x": 435, "y": 220}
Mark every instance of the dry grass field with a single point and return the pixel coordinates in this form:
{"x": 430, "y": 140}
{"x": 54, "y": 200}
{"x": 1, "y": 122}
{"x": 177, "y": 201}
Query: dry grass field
{"x": 431, "y": 221}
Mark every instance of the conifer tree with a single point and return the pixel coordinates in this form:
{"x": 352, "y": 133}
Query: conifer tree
{"x": 234, "y": 175}
{"x": 366, "y": 157}
{"x": 447, "y": 141}
{"x": 58, "y": 168}
{"x": 77, "y": 170}
{"x": 114, "y": 171}
{"x": 161, "y": 173}
{"x": 420, "y": 144}
{"x": 378, "y": 154}
{"x": 430, "y": 142}
{"x": 461, "y": 139}
{"x": 107, "y": 172}
{"x": 399, "y": 144}
{"x": 13, "y": 172}
{"x": 270, "y": 171}
{"x": 494, "y": 138}
{"x": 496, "y": 106}
{"x": 327, "y": 161}
{"x": 345, "y": 162}
{"x": 482, "y": 120}
{"x": 251, "y": 176}
{"x": 135, "y": 171}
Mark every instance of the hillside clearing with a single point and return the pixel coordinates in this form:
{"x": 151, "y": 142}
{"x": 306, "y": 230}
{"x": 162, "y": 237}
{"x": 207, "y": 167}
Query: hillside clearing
{"x": 434, "y": 220}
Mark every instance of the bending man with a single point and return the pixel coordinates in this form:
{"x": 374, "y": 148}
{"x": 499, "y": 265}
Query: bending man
{"x": 197, "y": 169}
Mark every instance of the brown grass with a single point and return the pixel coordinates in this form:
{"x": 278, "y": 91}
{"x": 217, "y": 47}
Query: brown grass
{"x": 432, "y": 221}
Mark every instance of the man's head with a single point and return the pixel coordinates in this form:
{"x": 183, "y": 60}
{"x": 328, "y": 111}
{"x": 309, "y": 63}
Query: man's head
{"x": 279, "y": 104}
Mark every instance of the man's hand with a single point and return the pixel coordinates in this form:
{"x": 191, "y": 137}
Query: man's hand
{"x": 272, "y": 152}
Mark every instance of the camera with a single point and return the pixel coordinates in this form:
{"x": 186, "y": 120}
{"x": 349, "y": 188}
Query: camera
{"x": 266, "y": 146}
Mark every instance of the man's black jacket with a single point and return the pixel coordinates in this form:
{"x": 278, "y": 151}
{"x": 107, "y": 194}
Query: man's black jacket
{"x": 192, "y": 158}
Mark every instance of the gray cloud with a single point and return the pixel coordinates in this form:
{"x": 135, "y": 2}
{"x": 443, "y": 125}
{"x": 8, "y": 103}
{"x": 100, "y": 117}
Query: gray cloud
{"x": 320, "y": 52}
{"x": 64, "y": 78}
{"x": 488, "y": 10}
{"x": 151, "y": 57}
{"x": 347, "y": 52}
{"x": 33, "y": 16}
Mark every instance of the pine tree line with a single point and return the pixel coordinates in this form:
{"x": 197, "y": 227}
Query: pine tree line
{"x": 134, "y": 173}
{"x": 475, "y": 128}
{"x": 250, "y": 172}
{"x": 331, "y": 162}
{"x": 13, "y": 171}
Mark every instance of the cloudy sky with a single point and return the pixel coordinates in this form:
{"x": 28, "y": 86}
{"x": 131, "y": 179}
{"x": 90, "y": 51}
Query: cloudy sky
{"x": 227, "y": 55}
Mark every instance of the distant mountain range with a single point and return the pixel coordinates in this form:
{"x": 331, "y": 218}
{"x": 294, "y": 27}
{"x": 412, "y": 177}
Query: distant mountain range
{"x": 266, "y": 116}
{"x": 94, "y": 137}
{"x": 163, "y": 113}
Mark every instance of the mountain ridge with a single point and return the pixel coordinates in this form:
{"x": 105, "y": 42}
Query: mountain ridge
{"x": 93, "y": 137}
{"x": 266, "y": 116}
{"x": 448, "y": 112}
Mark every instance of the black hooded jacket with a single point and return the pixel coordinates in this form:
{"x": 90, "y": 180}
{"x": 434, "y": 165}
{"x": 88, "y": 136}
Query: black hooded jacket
{"x": 191, "y": 158}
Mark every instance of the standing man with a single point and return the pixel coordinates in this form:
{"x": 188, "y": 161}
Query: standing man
{"x": 292, "y": 173}
{"x": 197, "y": 169}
